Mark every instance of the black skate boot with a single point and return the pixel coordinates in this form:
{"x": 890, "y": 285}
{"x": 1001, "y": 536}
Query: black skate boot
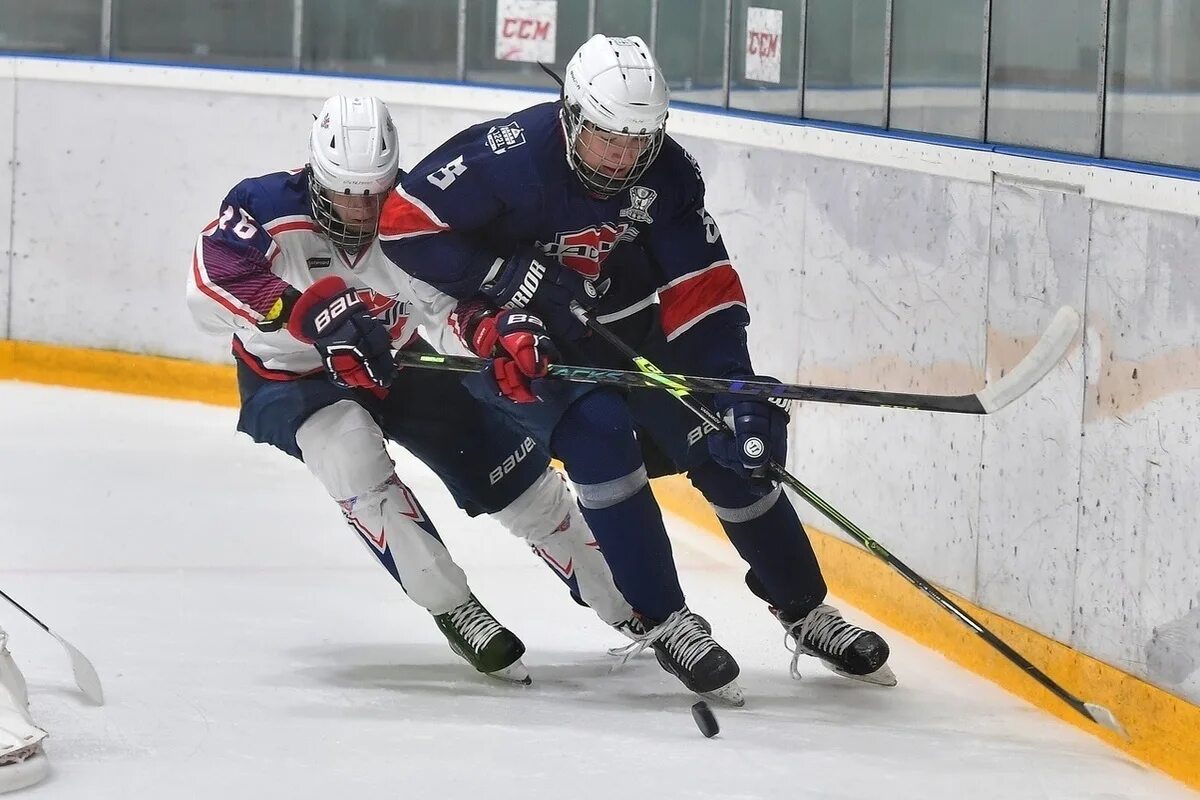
{"x": 848, "y": 650}
{"x": 483, "y": 642}
{"x": 684, "y": 647}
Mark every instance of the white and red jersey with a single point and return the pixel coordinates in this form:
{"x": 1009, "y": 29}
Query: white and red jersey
{"x": 265, "y": 240}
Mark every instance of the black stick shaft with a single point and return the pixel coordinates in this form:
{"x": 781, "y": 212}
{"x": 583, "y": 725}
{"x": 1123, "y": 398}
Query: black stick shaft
{"x": 26, "y": 612}
{"x": 651, "y": 378}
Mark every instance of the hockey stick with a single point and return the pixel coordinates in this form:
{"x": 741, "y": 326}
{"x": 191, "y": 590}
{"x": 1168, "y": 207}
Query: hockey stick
{"x": 1048, "y": 351}
{"x": 1094, "y": 712}
{"x": 85, "y": 674}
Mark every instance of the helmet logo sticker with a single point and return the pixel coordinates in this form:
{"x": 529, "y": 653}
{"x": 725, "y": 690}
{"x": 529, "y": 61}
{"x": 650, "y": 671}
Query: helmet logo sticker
{"x": 502, "y": 138}
{"x": 640, "y": 199}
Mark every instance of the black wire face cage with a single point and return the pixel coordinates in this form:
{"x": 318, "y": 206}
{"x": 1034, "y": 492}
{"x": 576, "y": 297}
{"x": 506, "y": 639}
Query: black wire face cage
{"x": 347, "y": 238}
{"x": 598, "y": 182}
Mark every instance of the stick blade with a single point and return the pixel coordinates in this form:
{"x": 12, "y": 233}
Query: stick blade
{"x": 85, "y": 674}
{"x": 1048, "y": 351}
{"x": 1102, "y": 716}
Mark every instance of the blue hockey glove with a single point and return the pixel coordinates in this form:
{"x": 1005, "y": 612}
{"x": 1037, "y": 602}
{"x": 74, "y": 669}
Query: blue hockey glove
{"x": 759, "y": 433}
{"x": 355, "y": 347}
{"x": 532, "y": 281}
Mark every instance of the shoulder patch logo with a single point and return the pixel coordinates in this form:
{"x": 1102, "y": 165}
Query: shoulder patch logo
{"x": 319, "y": 263}
{"x": 640, "y": 199}
{"x": 502, "y": 138}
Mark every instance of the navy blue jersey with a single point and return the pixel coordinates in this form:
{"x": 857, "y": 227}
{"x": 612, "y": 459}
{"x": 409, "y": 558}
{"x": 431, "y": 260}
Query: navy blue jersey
{"x": 506, "y": 184}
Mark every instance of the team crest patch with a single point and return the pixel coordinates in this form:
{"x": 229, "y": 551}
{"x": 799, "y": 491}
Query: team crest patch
{"x": 640, "y": 199}
{"x": 502, "y": 138}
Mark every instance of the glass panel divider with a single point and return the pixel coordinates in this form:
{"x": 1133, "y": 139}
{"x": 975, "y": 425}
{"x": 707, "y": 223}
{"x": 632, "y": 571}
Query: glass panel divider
{"x": 803, "y": 41}
{"x": 1102, "y": 78}
{"x": 654, "y": 27}
{"x": 986, "y": 62}
{"x": 297, "y": 34}
{"x": 106, "y": 18}
{"x": 889, "y": 16}
{"x": 460, "y": 41}
{"x": 727, "y": 58}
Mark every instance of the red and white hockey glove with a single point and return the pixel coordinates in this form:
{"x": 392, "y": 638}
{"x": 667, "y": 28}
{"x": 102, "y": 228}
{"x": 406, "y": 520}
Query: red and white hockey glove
{"x": 519, "y": 351}
{"x": 355, "y": 347}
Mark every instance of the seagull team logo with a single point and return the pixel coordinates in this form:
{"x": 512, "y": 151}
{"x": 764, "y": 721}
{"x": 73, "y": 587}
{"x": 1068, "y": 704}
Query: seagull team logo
{"x": 391, "y": 313}
{"x": 585, "y": 250}
{"x": 640, "y": 199}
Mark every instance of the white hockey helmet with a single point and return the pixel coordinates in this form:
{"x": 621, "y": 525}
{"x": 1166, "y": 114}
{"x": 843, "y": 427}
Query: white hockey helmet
{"x": 354, "y": 160}
{"x": 614, "y": 86}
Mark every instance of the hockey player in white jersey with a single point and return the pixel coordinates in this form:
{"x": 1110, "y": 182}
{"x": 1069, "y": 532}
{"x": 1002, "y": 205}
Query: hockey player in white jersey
{"x": 22, "y": 760}
{"x": 293, "y": 268}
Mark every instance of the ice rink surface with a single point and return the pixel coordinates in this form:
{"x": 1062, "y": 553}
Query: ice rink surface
{"x": 251, "y": 648}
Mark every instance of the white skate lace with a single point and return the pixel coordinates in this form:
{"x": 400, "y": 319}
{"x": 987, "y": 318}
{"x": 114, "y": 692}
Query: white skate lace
{"x": 475, "y": 624}
{"x": 820, "y": 633}
{"x": 685, "y": 638}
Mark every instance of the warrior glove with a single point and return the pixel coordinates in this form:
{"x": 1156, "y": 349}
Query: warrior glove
{"x": 536, "y": 283}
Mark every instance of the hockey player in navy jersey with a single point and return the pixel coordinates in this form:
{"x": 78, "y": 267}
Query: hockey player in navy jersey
{"x": 587, "y": 200}
{"x": 292, "y": 267}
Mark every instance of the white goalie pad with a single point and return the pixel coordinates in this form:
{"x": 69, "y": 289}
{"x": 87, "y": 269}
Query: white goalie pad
{"x": 546, "y": 516}
{"x": 22, "y": 761}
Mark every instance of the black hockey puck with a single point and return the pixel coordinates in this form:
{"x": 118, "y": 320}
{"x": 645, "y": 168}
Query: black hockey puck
{"x": 706, "y": 721}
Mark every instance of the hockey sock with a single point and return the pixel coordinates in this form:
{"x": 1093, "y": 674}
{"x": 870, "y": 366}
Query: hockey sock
{"x": 768, "y": 535}
{"x": 595, "y": 440}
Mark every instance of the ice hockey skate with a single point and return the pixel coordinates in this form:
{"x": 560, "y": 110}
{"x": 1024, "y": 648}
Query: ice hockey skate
{"x": 483, "y": 642}
{"x": 684, "y": 647}
{"x": 843, "y": 648}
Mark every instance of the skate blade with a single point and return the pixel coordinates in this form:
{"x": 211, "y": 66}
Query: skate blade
{"x": 24, "y": 770}
{"x": 513, "y": 673}
{"x": 729, "y": 695}
{"x": 880, "y": 677}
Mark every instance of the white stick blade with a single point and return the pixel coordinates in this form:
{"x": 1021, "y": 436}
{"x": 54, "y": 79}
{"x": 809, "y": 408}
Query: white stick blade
{"x": 85, "y": 674}
{"x": 1049, "y": 350}
{"x": 1104, "y": 717}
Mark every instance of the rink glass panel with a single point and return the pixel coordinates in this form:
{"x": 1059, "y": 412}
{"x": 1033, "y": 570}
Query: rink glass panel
{"x": 691, "y": 49}
{"x": 782, "y": 97}
{"x": 1152, "y": 110}
{"x": 843, "y": 55}
{"x": 571, "y": 27}
{"x": 205, "y": 32}
{"x": 1045, "y": 70}
{"x": 405, "y": 37}
{"x": 937, "y": 66}
{"x": 1043, "y": 73}
{"x": 52, "y": 27}
{"x": 625, "y": 18}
